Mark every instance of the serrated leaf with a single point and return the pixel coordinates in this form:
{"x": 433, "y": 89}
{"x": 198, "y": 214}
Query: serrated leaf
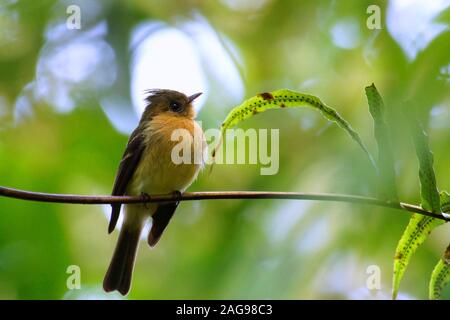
{"x": 441, "y": 272}
{"x": 419, "y": 226}
{"x": 445, "y": 203}
{"x": 417, "y": 231}
{"x": 285, "y": 98}
{"x": 440, "y": 276}
{"x": 387, "y": 185}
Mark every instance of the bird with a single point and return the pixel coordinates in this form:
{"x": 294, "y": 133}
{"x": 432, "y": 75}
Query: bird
{"x": 149, "y": 165}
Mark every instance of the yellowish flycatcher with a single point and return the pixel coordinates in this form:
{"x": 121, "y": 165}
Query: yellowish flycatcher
{"x": 148, "y": 167}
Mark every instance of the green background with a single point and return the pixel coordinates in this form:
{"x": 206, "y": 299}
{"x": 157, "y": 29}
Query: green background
{"x": 233, "y": 249}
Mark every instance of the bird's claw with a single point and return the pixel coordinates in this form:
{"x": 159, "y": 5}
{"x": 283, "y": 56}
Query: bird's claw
{"x": 145, "y": 198}
{"x": 177, "y": 195}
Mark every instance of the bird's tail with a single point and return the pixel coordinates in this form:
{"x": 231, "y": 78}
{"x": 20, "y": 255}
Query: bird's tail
{"x": 118, "y": 276}
{"x": 161, "y": 219}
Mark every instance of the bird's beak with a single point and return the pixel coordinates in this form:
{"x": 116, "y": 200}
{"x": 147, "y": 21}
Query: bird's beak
{"x": 194, "y": 96}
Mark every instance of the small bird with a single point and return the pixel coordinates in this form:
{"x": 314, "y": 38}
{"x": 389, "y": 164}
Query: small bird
{"x": 148, "y": 167}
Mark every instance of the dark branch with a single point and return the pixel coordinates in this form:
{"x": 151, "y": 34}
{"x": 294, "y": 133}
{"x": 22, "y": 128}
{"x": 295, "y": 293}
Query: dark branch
{"x": 211, "y": 195}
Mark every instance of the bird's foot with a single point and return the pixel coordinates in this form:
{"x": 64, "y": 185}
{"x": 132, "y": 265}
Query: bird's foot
{"x": 177, "y": 195}
{"x": 145, "y": 198}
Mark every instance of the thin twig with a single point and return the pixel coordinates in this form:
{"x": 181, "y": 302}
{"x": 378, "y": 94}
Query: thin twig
{"x": 212, "y": 195}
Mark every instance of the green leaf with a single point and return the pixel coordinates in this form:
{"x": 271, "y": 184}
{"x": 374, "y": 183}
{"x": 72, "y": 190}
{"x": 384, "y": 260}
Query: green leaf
{"x": 417, "y": 231}
{"x": 441, "y": 272}
{"x": 419, "y": 226}
{"x": 285, "y": 98}
{"x": 440, "y": 276}
{"x": 445, "y": 203}
{"x": 428, "y": 189}
{"x": 387, "y": 185}
{"x": 443, "y": 16}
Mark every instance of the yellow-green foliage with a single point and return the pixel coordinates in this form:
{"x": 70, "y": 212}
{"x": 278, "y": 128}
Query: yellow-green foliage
{"x": 285, "y": 98}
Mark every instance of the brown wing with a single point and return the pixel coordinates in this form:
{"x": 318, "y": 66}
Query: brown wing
{"x": 128, "y": 164}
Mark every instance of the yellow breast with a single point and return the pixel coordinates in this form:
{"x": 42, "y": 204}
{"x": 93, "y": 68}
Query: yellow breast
{"x": 167, "y": 138}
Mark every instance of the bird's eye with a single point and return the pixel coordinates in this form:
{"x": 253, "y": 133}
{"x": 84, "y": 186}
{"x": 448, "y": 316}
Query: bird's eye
{"x": 175, "y": 106}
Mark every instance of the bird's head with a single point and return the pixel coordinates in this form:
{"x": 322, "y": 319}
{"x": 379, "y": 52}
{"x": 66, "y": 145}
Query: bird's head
{"x": 161, "y": 101}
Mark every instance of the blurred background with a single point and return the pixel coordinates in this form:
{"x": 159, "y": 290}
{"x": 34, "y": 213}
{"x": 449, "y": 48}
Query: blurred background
{"x": 69, "y": 97}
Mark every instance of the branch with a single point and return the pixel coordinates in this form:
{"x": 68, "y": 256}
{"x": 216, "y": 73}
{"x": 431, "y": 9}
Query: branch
{"x": 212, "y": 195}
